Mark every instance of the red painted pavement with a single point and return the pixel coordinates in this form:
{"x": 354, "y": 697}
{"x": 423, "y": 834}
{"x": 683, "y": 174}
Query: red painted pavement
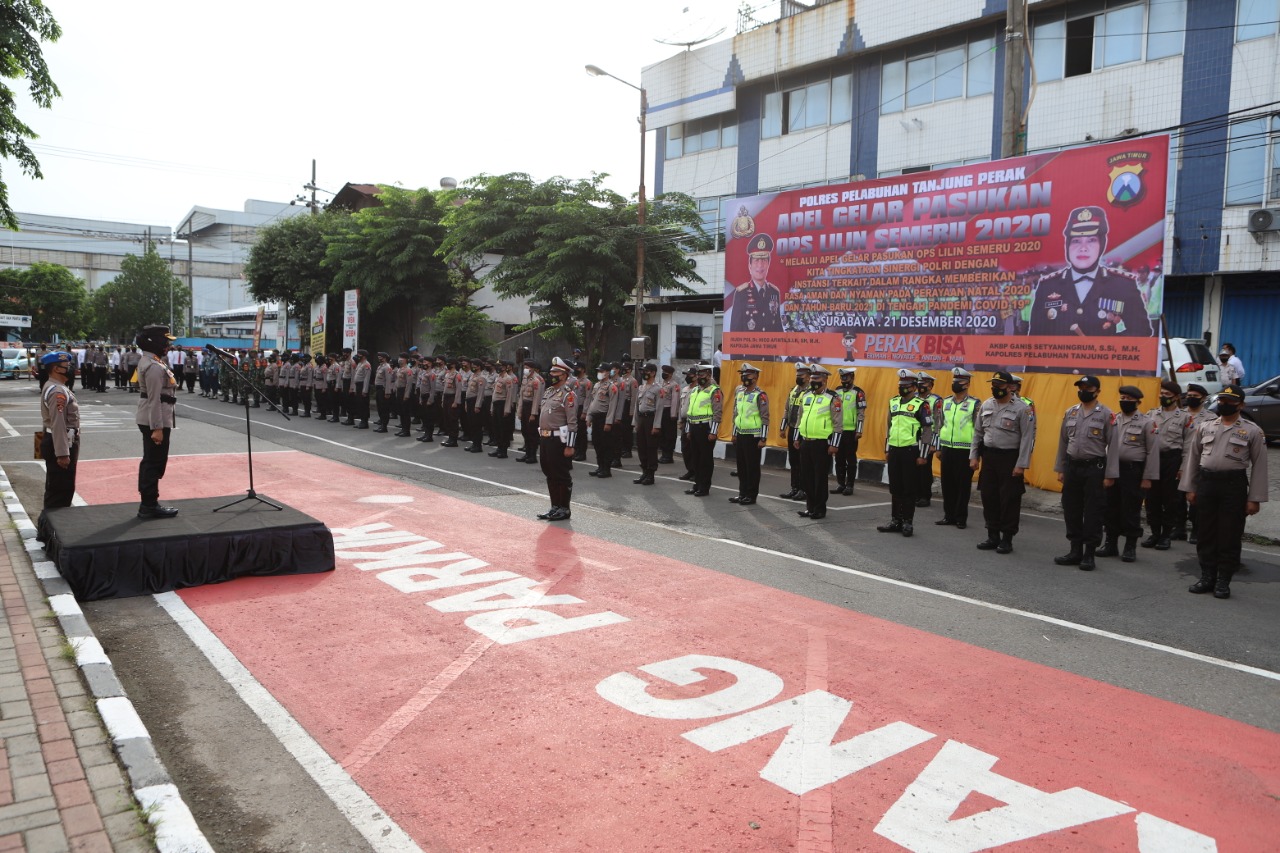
{"x": 509, "y": 746}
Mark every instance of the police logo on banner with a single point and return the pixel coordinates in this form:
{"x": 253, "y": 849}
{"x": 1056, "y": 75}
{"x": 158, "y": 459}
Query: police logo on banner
{"x": 1126, "y": 184}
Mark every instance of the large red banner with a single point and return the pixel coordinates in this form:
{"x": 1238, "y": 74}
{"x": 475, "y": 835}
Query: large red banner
{"x": 1045, "y": 263}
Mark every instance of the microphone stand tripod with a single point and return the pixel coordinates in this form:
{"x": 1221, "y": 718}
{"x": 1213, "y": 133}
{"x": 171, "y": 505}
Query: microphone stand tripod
{"x": 251, "y": 495}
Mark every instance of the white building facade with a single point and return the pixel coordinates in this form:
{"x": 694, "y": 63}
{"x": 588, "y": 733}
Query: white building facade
{"x": 846, "y": 91}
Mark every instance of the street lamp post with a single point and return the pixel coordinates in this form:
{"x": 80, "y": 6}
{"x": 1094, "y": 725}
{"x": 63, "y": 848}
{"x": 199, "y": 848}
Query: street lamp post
{"x": 596, "y": 71}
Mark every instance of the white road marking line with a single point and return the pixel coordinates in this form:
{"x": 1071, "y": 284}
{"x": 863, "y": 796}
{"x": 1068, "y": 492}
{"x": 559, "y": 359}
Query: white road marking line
{"x": 856, "y": 506}
{"x": 1062, "y": 623}
{"x": 369, "y": 819}
{"x": 1051, "y": 620}
{"x": 12, "y": 432}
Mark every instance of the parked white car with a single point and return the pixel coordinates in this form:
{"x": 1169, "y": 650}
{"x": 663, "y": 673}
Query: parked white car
{"x": 1192, "y": 363}
{"x": 17, "y": 363}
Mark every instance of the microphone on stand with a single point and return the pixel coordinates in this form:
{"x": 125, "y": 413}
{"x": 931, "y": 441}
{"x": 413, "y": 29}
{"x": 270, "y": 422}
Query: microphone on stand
{"x": 219, "y": 351}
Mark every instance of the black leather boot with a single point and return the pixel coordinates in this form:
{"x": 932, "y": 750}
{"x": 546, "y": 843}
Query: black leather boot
{"x": 1087, "y": 563}
{"x": 1006, "y": 544}
{"x": 992, "y": 540}
{"x": 1150, "y": 541}
{"x": 1130, "y": 549}
{"x": 1072, "y": 557}
{"x": 1108, "y": 548}
{"x": 1222, "y": 587}
{"x": 1208, "y": 579}
{"x": 894, "y": 526}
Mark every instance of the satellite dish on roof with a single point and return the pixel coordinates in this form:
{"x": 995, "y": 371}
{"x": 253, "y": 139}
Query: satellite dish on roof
{"x": 695, "y": 23}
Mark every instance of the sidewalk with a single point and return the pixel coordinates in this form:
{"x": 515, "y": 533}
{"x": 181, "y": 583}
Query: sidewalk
{"x": 78, "y": 769}
{"x": 60, "y": 785}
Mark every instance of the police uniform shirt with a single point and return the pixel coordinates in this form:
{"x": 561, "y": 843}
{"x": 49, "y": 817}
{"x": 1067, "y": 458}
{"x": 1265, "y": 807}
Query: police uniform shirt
{"x": 1173, "y": 426}
{"x": 1216, "y": 446}
{"x": 531, "y": 390}
{"x": 559, "y": 411}
{"x": 756, "y": 309}
{"x": 475, "y": 384}
{"x": 60, "y": 414}
{"x": 758, "y": 398}
{"x": 361, "y": 377}
{"x": 157, "y": 383}
{"x": 853, "y": 399}
{"x": 1005, "y": 426}
{"x": 273, "y": 370}
{"x": 713, "y": 394}
{"x": 648, "y": 400}
{"x": 606, "y": 399}
{"x": 380, "y": 378}
{"x": 1133, "y": 439}
{"x": 1083, "y": 435}
{"x": 671, "y": 396}
{"x": 792, "y": 415}
{"x": 1058, "y": 309}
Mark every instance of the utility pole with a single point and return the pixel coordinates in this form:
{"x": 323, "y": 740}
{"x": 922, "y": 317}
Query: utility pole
{"x": 315, "y": 211}
{"x": 1013, "y": 133}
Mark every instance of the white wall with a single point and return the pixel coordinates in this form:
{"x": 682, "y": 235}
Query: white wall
{"x": 949, "y": 131}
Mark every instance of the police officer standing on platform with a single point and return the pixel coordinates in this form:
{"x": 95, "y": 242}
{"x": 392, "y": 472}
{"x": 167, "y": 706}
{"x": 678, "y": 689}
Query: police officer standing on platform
{"x": 557, "y": 424}
{"x": 60, "y": 415}
{"x": 955, "y": 444}
{"x": 910, "y": 432}
{"x": 1225, "y": 477}
{"x": 853, "y": 408}
{"x": 1133, "y": 462}
{"x": 156, "y": 403}
{"x": 1081, "y": 464}
{"x": 821, "y": 426}
{"x": 1004, "y": 434}
{"x": 702, "y": 420}
{"x": 750, "y": 430}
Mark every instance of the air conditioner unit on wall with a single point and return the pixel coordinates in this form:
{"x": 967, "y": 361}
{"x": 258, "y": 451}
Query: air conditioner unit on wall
{"x": 1266, "y": 219}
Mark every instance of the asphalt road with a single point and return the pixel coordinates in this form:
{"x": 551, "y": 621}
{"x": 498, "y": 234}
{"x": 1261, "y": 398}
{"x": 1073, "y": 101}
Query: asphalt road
{"x": 1123, "y": 624}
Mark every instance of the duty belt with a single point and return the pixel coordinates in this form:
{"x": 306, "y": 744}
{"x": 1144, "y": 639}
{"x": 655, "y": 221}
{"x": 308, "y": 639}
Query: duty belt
{"x": 1091, "y": 461}
{"x": 699, "y": 420}
{"x": 546, "y": 433}
{"x": 1221, "y": 475}
{"x": 164, "y": 398}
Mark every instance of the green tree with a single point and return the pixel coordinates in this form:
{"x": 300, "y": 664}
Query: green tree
{"x": 54, "y": 297}
{"x": 569, "y": 247}
{"x": 24, "y": 24}
{"x": 146, "y": 291}
{"x": 286, "y": 263}
{"x": 390, "y": 253}
{"x": 462, "y": 329}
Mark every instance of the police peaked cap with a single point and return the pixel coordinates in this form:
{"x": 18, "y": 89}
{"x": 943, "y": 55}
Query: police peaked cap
{"x": 961, "y": 373}
{"x": 1016, "y": 379}
{"x": 923, "y": 377}
{"x": 1086, "y": 222}
{"x": 748, "y": 367}
{"x": 819, "y": 370}
{"x": 848, "y": 371}
{"x": 905, "y": 375}
{"x": 559, "y": 363}
{"x": 1231, "y": 392}
{"x": 1006, "y": 377}
{"x": 704, "y": 367}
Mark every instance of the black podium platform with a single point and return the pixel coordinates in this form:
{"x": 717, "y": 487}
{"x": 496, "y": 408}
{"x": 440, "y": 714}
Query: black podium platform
{"x": 108, "y": 552}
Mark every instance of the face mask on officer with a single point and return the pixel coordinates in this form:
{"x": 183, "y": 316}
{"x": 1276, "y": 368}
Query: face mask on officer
{"x": 802, "y": 378}
{"x": 601, "y": 375}
{"x": 816, "y": 383}
{"x": 906, "y": 390}
{"x": 1225, "y": 408}
{"x": 1194, "y": 401}
{"x": 748, "y": 378}
{"x": 1168, "y": 401}
{"x": 556, "y": 376}
{"x": 999, "y": 391}
{"x": 959, "y": 387}
{"x": 1128, "y": 406}
{"x": 1087, "y": 396}
{"x": 704, "y": 378}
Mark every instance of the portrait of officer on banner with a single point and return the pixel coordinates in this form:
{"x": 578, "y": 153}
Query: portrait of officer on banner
{"x": 757, "y": 305}
{"x": 1087, "y": 298}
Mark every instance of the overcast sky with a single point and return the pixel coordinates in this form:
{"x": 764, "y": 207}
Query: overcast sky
{"x": 166, "y": 105}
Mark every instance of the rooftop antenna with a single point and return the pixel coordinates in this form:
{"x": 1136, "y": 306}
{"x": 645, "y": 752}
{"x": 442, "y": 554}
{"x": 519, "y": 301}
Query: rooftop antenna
{"x": 692, "y": 29}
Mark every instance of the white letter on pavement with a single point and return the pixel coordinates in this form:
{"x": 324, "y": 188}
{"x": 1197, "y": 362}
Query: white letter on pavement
{"x": 1156, "y": 835}
{"x": 754, "y": 686}
{"x": 495, "y": 624}
{"x": 807, "y": 759}
{"x": 921, "y": 818}
{"x": 521, "y": 592}
{"x": 454, "y": 574}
